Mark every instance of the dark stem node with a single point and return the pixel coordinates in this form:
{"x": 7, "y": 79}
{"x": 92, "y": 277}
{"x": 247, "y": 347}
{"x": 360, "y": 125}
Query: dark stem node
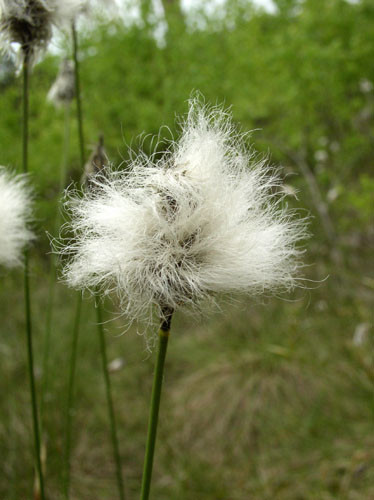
{"x": 166, "y": 316}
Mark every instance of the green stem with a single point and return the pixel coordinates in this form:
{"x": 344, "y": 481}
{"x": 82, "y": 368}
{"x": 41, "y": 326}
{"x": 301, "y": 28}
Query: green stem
{"x": 98, "y": 309}
{"x": 52, "y": 270}
{"x": 108, "y": 390}
{"x": 25, "y": 141}
{"x": 70, "y": 397}
{"x": 163, "y": 336}
{"x": 73, "y": 357}
{"x": 78, "y": 96}
{"x": 25, "y": 115}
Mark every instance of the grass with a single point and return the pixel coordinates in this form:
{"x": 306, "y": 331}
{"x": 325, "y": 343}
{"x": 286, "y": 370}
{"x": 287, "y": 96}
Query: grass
{"x": 265, "y": 400}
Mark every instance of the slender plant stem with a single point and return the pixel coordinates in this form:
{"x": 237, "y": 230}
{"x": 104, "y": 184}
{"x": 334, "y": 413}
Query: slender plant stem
{"x": 163, "y": 337}
{"x": 25, "y": 115}
{"x": 73, "y": 355}
{"x": 25, "y": 141}
{"x": 70, "y": 397}
{"x": 108, "y": 390}
{"x": 78, "y": 97}
{"x": 113, "y": 428}
{"x": 52, "y": 270}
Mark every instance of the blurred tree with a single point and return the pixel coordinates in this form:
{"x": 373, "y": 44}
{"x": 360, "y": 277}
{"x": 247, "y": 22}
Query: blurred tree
{"x": 145, "y": 10}
{"x": 175, "y": 20}
{"x": 286, "y": 7}
{"x": 173, "y": 11}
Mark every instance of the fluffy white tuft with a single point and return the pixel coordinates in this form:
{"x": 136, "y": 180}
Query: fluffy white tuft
{"x": 203, "y": 219}
{"x": 15, "y": 212}
{"x": 29, "y": 23}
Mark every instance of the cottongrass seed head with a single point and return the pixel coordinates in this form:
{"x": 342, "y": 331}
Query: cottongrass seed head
{"x": 15, "y": 213}
{"x": 29, "y": 23}
{"x": 169, "y": 232}
{"x": 62, "y": 91}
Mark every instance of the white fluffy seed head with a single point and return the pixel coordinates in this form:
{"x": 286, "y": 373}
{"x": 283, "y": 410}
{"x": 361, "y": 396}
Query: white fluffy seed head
{"x": 15, "y": 214}
{"x": 27, "y": 23}
{"x": 203, "y": 219}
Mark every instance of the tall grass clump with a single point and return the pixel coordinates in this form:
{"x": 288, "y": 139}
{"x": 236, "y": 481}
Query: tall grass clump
{"x": 172, "y": 232}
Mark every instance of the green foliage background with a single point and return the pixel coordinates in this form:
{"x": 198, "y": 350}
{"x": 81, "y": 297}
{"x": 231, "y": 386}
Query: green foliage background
{"x": 267, "y": 400}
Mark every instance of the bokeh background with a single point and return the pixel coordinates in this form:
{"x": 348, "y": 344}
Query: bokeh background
{"x": 268, "y": 398}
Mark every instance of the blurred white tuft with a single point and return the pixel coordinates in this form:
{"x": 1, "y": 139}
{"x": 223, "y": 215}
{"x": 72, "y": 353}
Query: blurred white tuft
{"x": 62, "y": 91}
{"x": 26, "y": 25}
{"x": 15, "y": 213}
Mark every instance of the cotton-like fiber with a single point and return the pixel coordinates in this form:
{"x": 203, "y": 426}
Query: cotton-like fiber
{"x": 29, "y": 23}
{"x": 15, "y": 213}
{"x": 202, "y": 220}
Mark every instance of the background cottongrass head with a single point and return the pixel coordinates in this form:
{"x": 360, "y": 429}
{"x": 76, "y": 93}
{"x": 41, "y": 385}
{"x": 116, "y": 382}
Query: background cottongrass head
{"x": 96, "y": 164}
{"x": 15, "y": 213}
{"x": 62, "y": 91}
{"x": 203, "y": 219}
{"x": 27, "y": 23}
